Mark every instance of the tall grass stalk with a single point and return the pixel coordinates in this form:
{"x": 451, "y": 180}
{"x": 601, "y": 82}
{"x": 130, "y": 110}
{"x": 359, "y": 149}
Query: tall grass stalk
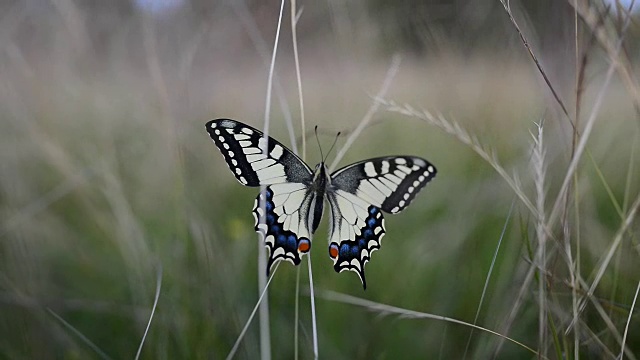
{"x": 489, "y": 273}
{"x": 453, "y": 128}
{"x": 153, "y": 310}
{"x": 384, "y": 309}
{"x": 80, "y": 335}
{"x": 626, "y": 327}
{"x": 243, "y": 13}
{"x": 391, "y": 73}
{"x": 265, "y": 337}
{"x": 313, "y": 310}
{"x": 507, "y": 7}
{"x": 262, "y": 297}
{"x": 294, "y": 39}
{"x": 539, "y": 170}
{"x": 610, "y": 42}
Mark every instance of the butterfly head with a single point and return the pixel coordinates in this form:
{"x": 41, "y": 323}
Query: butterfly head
{"x": 321, "y": 174}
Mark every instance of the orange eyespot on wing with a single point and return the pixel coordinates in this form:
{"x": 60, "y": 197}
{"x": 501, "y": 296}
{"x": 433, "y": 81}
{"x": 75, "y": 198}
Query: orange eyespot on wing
{"x": 333, "y": 251}
{"x": 304, "y": 245}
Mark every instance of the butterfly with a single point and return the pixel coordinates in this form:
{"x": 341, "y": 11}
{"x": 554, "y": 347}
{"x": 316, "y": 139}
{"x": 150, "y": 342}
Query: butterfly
{"x": 289, "y": 208}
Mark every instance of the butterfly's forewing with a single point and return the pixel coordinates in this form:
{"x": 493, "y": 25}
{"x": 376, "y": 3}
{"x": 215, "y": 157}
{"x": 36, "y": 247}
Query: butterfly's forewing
{"x": 284, "y": 224}
{"x": 243, "y": 148}
{"x": 361, "y": 190}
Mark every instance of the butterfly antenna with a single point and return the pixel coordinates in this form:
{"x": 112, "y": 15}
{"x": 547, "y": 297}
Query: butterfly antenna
{"x": 318, "y": 141}
{"x": 334, "y": 143}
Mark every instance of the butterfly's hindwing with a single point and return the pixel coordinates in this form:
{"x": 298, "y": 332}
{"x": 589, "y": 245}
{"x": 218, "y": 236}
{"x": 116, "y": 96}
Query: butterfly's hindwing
{"x": 356, "y": 231}
{"x": 389, "y": 183}
{"x": 243, "y": 148}
{"x": 284, "y": 225}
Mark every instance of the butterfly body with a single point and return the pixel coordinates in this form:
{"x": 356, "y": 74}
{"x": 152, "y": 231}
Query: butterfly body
{"x": 289, "y": 209}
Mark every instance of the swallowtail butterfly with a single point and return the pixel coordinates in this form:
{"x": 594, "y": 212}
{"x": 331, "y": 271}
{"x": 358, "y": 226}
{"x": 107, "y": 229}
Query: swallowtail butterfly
{"x": 289, "y": 209}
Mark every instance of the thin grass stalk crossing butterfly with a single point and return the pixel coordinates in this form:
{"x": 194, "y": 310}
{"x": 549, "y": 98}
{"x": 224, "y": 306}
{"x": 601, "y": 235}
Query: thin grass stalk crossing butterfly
{"x": 294, "y": 198}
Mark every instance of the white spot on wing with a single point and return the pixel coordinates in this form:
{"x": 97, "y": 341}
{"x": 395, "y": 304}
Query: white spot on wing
{"x": 251, "y": 151}
{"x": 253, "y": 158}
{"x": 261, "y": 164}
{"x": 369, "y": 170}
{"x": 356, "y": 263}
{"x": 419, "y": 162}
{"x": 276, "y": 152}
{"x": 270, "y": 239}
{"x": 262, "y": 144}
{"x": 385, "y": 167}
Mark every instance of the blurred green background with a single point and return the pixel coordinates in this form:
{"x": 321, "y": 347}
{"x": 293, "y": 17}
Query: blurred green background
{"x": 107, "y": 175}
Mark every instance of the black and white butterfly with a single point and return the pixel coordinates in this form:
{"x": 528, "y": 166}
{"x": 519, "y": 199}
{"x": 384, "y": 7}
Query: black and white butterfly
{"x": 288, "y": 211}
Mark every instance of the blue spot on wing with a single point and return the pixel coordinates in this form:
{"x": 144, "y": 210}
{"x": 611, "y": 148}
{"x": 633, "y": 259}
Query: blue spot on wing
{"x": 292, "y": 243}
{"x": 344, "y": 250}
{"x": 353, "y": 249}
{"x": 282, "y": 239}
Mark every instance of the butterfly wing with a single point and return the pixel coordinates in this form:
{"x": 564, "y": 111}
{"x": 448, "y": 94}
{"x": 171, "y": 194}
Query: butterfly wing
{"x": 360, "y": 193}
{"x": 243, "y": 148}
{"x": 281, "y": 211}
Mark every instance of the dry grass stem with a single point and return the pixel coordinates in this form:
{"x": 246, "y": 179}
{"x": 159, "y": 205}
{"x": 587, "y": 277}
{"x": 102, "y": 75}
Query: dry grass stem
{"x": 455, "y": 129}
{"x": 539, "y": 170}
{"x": 626, "y": 327}
{"x": 611, "y": 45}
{"x": 153, "y": 310}
{"x": 391, "y": 73}
{"x": 507, "y": 8}
{"x": 384, "y": 309}
{"x": 262, "y": 297}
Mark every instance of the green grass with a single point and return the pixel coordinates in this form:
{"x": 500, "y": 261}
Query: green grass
{"x": 108, "y": 175}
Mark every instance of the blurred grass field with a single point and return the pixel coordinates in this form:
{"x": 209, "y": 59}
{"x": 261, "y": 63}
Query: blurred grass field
{"x": 108, "y": 176}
